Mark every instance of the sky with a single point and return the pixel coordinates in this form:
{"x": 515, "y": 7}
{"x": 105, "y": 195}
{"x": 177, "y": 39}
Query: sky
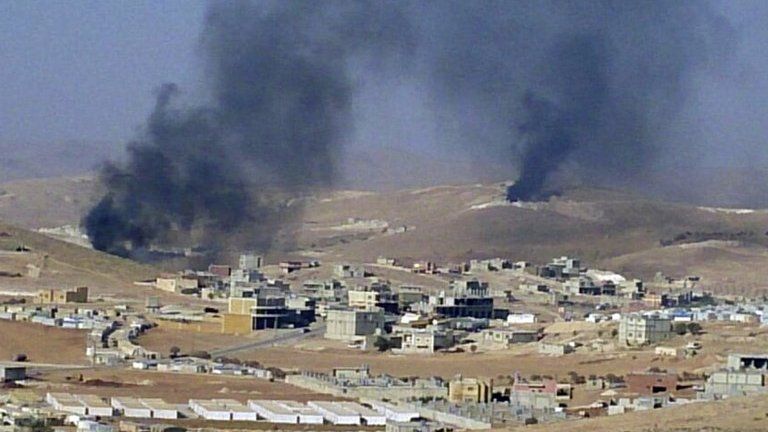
{"x": 87, "y": 71}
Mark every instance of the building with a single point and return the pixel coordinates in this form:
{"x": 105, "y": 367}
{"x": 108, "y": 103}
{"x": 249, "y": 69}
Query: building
{"x": 330, "y": 290}
{"x": 12, "y": 373}
{"x": 376, "y": 296}
{"x": 637, "y": 329}
{"x": 246, "y": 314}
{"x": 178, "y": 284}
{"x": 344, "y": 271}
{"x": 521, "y": 318}
{"x": 728, "y": 382}
{"x": 555, "y": 349}
{"x": 423, "y": 341}
{"x": 274, "y": 412}
{"x": 756, "y": 362}
{"x": 53, "y": 296}
{"x": 250, "y": 261}
{"x": 352, "y": 325}
{"x": 335, "y": 413}
{"x": 648, "y": 383}
{"x": 465, "y": 299}
{"x": 469, "y": 390}
{"x": 506, "y": 337}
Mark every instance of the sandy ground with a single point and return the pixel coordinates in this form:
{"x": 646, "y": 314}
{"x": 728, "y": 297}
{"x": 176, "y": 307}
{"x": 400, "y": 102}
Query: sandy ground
{"x": 42, "y": 344}
{"x": 744, "y": 414}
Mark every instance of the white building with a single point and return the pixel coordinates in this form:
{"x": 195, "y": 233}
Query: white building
{"x": 369, "y": 416}
{"x": 66, "y": 402}
{"x": 273, "y": 412}
{"x": 131, "y": 407}
{"x": 307, "y": 415}
{"x": 521, "y": 318}
{"x": 335, "y": 414}
{"x": 395, "y": 413}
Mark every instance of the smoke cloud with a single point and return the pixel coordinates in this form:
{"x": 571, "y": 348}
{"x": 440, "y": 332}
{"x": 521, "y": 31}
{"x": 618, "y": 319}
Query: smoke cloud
{"x": 586, "y": 91}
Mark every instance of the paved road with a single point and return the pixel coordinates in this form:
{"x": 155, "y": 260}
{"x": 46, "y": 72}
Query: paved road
{"x": 290, "y": 336}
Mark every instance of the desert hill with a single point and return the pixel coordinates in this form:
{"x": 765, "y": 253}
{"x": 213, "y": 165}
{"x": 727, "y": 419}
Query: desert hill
{"x": 611, "y": 229}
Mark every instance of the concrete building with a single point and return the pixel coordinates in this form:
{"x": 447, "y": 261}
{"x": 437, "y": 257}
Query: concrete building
{"x": 368, "y": 416}
{"x": 555, "y": 349}
{"x": 648, "y": 383}
{"x": 368, "y": 298}
{"x": 757, "y": 362}
{"x": 344, "y": 271}
{"x": 335, "y": 413}
{"x": 394, "y": 413}
{"x": 178, "y": 284}
{"x": 62, "y": 296}
{"x": 423, "y": 341}
{"x": 12, "y": 373}
{"x": 131, "y": 407}
{"x": 66, "y": 402}
{"x": 95, "y": 406}
{"x": 352, "y": 325}
{"x": 274, "y": 412}
{"x": 266, "y": 312}
{"x": 306, "y": 414}
{"x": 505, "y": 336}
{"x": 636, "y": 329}
{"x": 464, "y": 299}
{"x": 728, "y": 382}
{"x": 469, "y": 390}
{"x": 250, "y": 261}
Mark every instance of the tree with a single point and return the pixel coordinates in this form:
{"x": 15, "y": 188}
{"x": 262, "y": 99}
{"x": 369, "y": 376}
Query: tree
{"x": 21, "y": 357}
{"x": 694, "y": 328}
{"x": 473, "y": 348}
{"x": 174, "y": 351}
{"x": 680, "y": 328}
{"x": 382, "y": 344}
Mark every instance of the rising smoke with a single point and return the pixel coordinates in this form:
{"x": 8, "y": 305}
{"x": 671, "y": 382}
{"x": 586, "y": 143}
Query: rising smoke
{"x": 589, "y": 90}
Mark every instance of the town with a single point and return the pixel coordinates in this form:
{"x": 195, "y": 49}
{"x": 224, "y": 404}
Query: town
{"x": 660, "y": 342}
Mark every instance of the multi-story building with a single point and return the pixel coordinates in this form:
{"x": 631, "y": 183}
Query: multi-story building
{"x": 353, "y": 325}
{"x": 638, "y": 329}
{"x": 469, "y": 390}
{"x": 53, "y": 296}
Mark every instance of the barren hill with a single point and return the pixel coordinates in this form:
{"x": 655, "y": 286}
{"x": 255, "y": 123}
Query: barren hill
{"x": 611, "y": 229}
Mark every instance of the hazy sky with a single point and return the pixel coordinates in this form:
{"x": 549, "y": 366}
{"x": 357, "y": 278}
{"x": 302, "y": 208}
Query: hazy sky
{"x": 86, "y": 70}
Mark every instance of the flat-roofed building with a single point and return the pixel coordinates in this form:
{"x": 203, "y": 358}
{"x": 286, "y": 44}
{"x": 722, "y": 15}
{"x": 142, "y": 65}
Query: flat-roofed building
{"x": 161, "y": 409}
{"x": 335, "y": 413}
{"x": 352, "y": 325}
{"x": 274, "y": 412}
{"x": 66, "y": 402}
{"x": 638, "y": 329}
{"x": 395, "y": 413}
{"x": 62, "y": 296}
{"x": 95, "y": 406}
{"x": 238, "y": 411}
{"x": 12, "y": 373}
{"x": 131, "y": 407}
{"x": 469, "y": 390}
{"x": 369, "y": 416}
{"x": 210, "y": 410}
{"x": 306, "y": 414}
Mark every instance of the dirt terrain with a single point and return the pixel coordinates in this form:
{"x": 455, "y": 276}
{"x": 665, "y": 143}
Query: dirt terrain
{"x": 42, "y": 344}
{"x": 742, "y": 414}
{"x": 610, "y": 229}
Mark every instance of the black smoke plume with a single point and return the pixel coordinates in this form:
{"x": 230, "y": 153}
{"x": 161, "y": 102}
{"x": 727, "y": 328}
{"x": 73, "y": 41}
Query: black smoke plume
{"x": 281, "y": 92}
{"x": 588, "y": 90}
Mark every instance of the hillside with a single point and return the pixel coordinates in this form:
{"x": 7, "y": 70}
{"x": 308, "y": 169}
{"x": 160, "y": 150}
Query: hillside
{"x": 65, "y": 265}
{"x": 611, "y": 229}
